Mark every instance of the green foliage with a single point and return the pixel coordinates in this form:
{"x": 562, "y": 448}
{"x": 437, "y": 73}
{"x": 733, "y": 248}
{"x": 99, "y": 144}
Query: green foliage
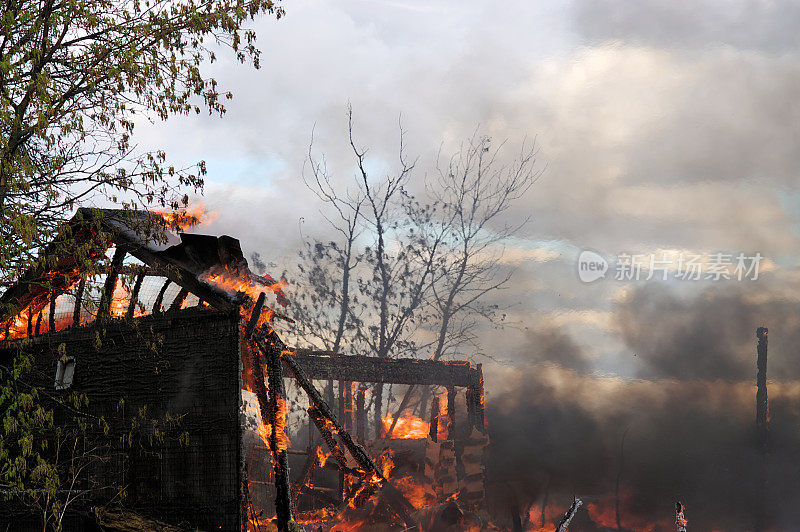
{"x": 75, "y": 75}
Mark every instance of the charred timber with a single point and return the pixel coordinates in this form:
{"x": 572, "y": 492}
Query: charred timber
{"x": 327, "y": 436}
{"x": 180, "y": 299}
{"x": 76, "y": 311}
{"x": 397, "y": 501}
{"x": 762, "y": 426}
{"x": 104, "y": 309}
{"x": 137, "y": 286}
{"x": 434, "y": 424}
{"x": 565, "y": 521}
{"x": 280, "y": 458}
{"x": 322, "y": 365}
{"x": 762, "y": 405}
{"x": 254, "y": 316}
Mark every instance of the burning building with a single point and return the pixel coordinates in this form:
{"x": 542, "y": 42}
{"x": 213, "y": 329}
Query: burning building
{"x": 182, "y": 414}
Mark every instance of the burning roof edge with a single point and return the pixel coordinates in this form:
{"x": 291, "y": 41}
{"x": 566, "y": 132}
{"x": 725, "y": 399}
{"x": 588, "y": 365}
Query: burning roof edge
{"x": 182, "y": 258}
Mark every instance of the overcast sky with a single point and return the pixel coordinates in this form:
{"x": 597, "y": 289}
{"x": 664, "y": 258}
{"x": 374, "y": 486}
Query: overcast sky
{"x": 661, "y": 125}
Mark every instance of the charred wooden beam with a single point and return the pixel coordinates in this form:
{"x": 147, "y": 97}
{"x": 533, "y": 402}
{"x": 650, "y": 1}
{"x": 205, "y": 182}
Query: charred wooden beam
{"x": 255, "y": 316}
{"x": 762, "y": 427}
{"x": 346, "y": 416}
{"x": 361, "y": 417}
{"x": 104, "y": 309}
{"x": 451, "y": 413}
{"x": 322, "y": 365}
{"x": 565, "y": 521}
{"x": 348, "y": 405}
{"x": 51, "y": 318}
{"x": 328, "y": 437}
{"x": 30, "y": 322}
{"x": 359, "y": 453}
{"x": 762, "y": 420}
{"x": 160, "y": 296}
{"x": 76, "y": 311}
{"x": 179, "y": 300}
{"x": 399, "y": 503}
{"x": 475, "y": 399}
{"x": 280, "y": 459}
{"x": 434, "y": 425}
{"x": 38, "y": 330}
{"x": 137, "y": 286}
{"x": 184, "y": 278}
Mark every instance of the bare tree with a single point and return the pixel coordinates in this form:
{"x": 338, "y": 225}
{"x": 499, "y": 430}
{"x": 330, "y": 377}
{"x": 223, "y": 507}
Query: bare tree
{"x": 475, "y": 191}
{"x": 328, "y": 266}
{"x": 410, "y": 274}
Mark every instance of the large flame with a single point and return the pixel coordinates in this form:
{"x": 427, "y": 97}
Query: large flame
{"x": 408, "y": 427}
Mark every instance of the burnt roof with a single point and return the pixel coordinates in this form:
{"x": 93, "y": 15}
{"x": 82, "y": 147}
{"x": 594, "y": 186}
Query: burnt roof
{"x": 182, "y": 258}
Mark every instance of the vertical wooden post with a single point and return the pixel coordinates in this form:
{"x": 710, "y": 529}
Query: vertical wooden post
{"x": 137, "y": 286}
{"x": 104, "y": 310}
{"x": 475, "y": 400}
{"x": 38, "y": 324}
{"x": 762, "y": 426}
{"x": 348, "y": 406}
{"x": 177, "y": 303}
{"x": 451, "y": 413}
{"x": 51, "y": 322}
{"x": 762, "y": 404}
{"x": 343, "y": 421}
{"x": 30, "y": 322}
{"x": 160, "y": 297}
{"x": 361, "y": 417}
{"x": 76, "y": 312}
{"x": 434, "y": 428}
{"x": 280, "y": 458}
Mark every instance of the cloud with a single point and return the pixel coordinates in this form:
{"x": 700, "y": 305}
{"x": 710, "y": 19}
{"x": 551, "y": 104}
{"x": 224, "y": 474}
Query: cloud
{"x": 768, "y": 26}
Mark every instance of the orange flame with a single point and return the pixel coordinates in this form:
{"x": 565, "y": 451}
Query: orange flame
{"x": 408, "y": 427}
{"x": 190, "y": 217}
{"x": 281, "y": 438}
{"x": 322, "y": 457}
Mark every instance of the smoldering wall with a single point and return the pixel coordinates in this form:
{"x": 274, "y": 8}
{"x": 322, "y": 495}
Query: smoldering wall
{"x": 688, "y": 419}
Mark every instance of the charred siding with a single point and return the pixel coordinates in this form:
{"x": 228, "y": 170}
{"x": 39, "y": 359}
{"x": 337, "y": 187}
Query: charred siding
{"x": 184, "y": 364}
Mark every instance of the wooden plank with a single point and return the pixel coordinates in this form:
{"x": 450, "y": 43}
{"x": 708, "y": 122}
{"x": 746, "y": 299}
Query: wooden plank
{"x": 76, "y": 311}
{"x": 104, "y": 309}
{"x": 254, "y": 316}
{"x": 451, "y": 413}
{"x": 475, "y": 400}
{"x": 160, "y": 296}
{"x": 323, "y": 366}
{"x": 361, "y": 417}
{"x": 177, "y": 303}
{"x": 51, "y": 321}
{"x": 280, "y": 458}
{"x": 137, "y": 286}
{"x": 434, "y": 424}
{"x": 184, "y": 278}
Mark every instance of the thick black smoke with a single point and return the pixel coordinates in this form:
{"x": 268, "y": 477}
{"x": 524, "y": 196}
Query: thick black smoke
{"x": 709, "y": 336}
{"x": 690, "y": 420}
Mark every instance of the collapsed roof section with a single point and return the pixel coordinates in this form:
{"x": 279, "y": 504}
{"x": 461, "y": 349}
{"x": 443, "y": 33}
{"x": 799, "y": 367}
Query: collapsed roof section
{"x": 212, "y": 268}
